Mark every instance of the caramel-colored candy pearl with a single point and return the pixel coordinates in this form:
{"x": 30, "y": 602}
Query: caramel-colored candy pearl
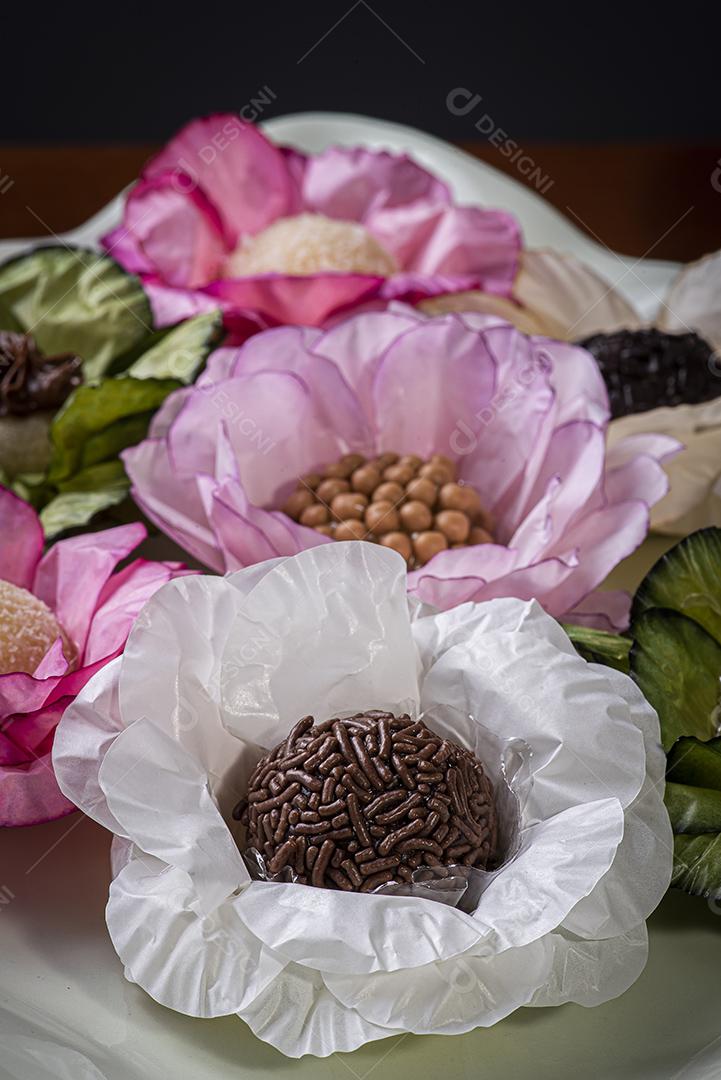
{"x": 478, "y": 535}
{"x": 328, "y": 490}
{"x": 437, "y": 472}
{"x": 351, "y": 530}
{"x": 298, "y": 502}
{"x": 325, "y": 530}
{"x": 423, "y": 489}
{"x": 384, "y": 460}
{"x": 416, "y": 516}
{"x": 365, "y": 479}
{"x": 400, "y": 542}
{"x": 458, "y": 497}
{"x": 388, "y": 491}
{"x": 428, "y": 544}
{"x": 399, "y": 474}
{"x": 349, "y": 504}
{"x": 314, "y": 515}
{"x": 454, "y": 525}
{"x": 381, "y": 517}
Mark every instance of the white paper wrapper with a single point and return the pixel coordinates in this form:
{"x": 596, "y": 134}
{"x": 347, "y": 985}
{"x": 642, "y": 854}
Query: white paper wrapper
{"x": 160, "y": 744}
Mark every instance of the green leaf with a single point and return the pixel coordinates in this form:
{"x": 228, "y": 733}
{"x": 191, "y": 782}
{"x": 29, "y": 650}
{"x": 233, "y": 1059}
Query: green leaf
{"x": 92, "y": 424}
{"x": 72, "y": 510}
{"x": 697, "y": 864}
{"x": 179, "y": 353}
{"x": 600, "y": 647}
{"x": 8, "y": 320}
{"x": 76, "y": 300}
{"x": 694, "y": 762}
{"x": 687, "y": 579}
{"x": 677, "y": 666}
{"x": 693, "y": 809}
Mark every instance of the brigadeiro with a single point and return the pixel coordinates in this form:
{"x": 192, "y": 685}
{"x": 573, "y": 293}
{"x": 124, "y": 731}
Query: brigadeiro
{"x": 361, "y": 802}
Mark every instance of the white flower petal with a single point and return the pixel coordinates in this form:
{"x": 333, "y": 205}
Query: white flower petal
{"x": 159, "y": 794}
{"x": 354, "y": 932}
{"x": 325, "y": 632}
{"x": 208, "y": 966}
{"x": 694, "y": 300}
{"x": 591, "y": 972}
{"x": 449, "y": 997}
{"x": 641, "y": 871}
{"x": 584, "y": 745}
{"x": 298, "y": 1015}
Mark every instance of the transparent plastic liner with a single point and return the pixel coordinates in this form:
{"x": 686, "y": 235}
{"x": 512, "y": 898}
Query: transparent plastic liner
{"x": 507, "y": 764}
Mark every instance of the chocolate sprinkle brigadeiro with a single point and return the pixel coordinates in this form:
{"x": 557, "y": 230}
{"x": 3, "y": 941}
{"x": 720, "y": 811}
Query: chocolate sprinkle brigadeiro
{"x": 358, "y": 802}
{"x": 30, "y": 381}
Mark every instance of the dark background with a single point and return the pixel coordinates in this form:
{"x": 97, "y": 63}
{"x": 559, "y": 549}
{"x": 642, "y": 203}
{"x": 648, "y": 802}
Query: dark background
{"x": 134, "y": 72}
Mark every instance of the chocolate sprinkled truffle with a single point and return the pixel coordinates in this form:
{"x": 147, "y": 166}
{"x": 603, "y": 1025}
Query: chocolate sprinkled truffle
{"x": 359, "y": 802}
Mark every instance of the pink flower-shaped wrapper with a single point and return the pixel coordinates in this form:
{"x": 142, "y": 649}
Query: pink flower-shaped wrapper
{"x": 524, "y": 418}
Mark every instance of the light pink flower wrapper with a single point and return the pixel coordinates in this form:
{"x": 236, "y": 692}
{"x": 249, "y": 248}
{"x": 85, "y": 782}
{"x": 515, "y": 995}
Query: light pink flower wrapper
{"x": 220, "y": 181}
{"x": 524, "y": 418}
{"x": 96, "y": 607}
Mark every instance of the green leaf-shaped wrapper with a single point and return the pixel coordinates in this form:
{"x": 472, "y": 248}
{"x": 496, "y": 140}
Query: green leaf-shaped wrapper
{"x": 76, "y": 300}
{"x": 599, "y": 646}
{"x": 676, "y": 660}
{"x": 80, "y": 301}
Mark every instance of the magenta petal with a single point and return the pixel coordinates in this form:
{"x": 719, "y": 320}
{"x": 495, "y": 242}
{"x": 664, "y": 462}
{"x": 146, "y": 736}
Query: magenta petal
{"x": 308, "y": 300}
{"x": 431, "y": 382}
{"x": 178, "y": 232}
{"x": 21, "y": 540}
{"x": 29, "y": 794}
{"x": 239, "y": 170}
{"x": 73, "y": 595}
{"x": 355, "y": 184}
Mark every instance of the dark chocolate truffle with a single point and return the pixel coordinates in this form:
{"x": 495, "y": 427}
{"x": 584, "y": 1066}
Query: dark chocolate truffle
{"x": 644, "y": 369}
{"x": 357, "y": 802}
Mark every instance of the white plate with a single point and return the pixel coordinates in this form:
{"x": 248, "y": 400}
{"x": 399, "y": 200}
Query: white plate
{"x": 471, "y": 180}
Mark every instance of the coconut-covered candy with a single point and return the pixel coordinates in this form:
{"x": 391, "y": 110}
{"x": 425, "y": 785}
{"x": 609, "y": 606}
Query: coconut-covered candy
{"x": 364, "y": 801}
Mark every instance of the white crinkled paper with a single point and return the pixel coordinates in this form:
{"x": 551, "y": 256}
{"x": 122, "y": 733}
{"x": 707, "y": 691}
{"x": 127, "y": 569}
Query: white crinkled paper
{"x": 160, "y": 744}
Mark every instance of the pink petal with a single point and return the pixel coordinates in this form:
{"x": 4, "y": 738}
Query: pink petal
{"x": 575, "y": 460}
{"x": 238, "y": 169}
{"x": 169, "y": 231}
{"x": 602, "y": 610}
{"x": 249, "y": 534}
{"x": 483, "y": 244}
{"x": 71, "y": 576}
{"x": 526, "y": 583}
{"x": 21, "y": 540}
{"x": 602, "y": 539}
{"x": 307, "y": 300}
{"x": 432, "y": 380}
{"x": 277, "y": 426}
{"x": 171, "y": 501}
{"x": 356, "y": 184}
{"x": 356, "y": 346}
{"x": 119, "y": 605}
{"x": 174, "y": 305}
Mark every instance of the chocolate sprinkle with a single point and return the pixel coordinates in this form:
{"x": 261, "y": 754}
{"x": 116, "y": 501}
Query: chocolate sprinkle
{"x": 30, "y": 381}
{"x": 396, "y": 798}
